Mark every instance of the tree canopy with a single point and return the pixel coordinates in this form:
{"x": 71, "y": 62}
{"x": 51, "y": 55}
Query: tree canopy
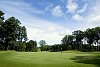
{"x": 13, "y": 36}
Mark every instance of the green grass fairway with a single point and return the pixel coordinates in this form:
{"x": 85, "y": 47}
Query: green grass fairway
{"x": 49, "y": 59}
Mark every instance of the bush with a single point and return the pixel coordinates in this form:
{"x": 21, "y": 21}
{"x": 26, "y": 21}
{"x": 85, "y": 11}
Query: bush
{"x": 35, "y": 49}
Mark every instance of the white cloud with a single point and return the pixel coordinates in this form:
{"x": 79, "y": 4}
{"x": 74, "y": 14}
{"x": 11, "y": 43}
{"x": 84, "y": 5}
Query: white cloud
{"x": 96, "y": 8}
{"x": 94, "y": 19}
{"x": 71, "y": 6}
{"x": 40, "y": 29}
{"x": 83, "y": 9}
{"x": 37, "y": 29}
{"x": 77, "y": 17}
{"x": 22, "y": 6}
{"x": 57, "y": 11}
{"x": 48, "y": 8}
{"x": 50, "y": 32}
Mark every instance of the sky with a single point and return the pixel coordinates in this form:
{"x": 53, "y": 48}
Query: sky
{"x": 51, "y": 20}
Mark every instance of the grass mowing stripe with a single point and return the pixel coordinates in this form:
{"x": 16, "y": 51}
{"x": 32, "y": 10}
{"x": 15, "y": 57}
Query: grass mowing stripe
{"x": 45, "y": 59}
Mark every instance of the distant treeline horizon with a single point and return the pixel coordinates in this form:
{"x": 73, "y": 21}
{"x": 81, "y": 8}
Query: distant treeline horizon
{"x": 13, "y": 36}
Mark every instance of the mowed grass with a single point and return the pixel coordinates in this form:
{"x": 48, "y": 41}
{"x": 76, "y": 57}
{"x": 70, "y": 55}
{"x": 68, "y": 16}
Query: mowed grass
{"x": 49, "y": 59}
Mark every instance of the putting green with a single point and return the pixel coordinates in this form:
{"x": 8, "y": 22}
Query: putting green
{"x": 48, "y": 59}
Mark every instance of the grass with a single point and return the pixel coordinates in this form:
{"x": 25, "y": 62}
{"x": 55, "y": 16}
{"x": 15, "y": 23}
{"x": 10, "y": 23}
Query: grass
{"x": 49, "y": 59}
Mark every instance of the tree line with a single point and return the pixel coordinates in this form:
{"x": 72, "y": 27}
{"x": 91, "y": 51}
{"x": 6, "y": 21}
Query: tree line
{"x": 88, "y": 40}
{"x": 13, "y": 36}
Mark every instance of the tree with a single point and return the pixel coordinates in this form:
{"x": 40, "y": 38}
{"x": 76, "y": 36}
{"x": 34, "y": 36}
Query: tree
{"x": 52, "y": 48}
{"x": 31, "y": 46}
{"x": 89, "y": 33}
{"x": 22, "y": 34}
{"x": 78, "y": 35}
{"x": 46, "y": 47}
{"x": 11, "y": 26}
{"x": 66, "y": 42}
{"x": 97, "y": 35}
{"x": 20, "y": 46}
{"x": 11, "y": 32}
{"x": 55, "y": 48}
{"x": 1, "y": 29}
{"x": 42, "y": 44}
{"x": 1, "y": 15}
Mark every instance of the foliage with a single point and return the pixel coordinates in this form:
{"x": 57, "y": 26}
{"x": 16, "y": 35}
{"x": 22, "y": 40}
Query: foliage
{"x": 43, "y": 46}
{"x": 31, "y": 46}
{"x": 13, "y": 36}
{"x": 92, "y": 36}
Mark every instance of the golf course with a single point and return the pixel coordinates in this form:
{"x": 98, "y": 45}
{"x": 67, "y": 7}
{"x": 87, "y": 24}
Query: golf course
{"x": 49, "y": 59}
{"x": 49, "y": 33}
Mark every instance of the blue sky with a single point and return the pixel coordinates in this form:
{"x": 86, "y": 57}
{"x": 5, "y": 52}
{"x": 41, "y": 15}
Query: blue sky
{"x": 51, "y": 20}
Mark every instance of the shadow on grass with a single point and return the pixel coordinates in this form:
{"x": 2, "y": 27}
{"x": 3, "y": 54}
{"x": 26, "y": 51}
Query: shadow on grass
{"x": 87, "y": 60}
